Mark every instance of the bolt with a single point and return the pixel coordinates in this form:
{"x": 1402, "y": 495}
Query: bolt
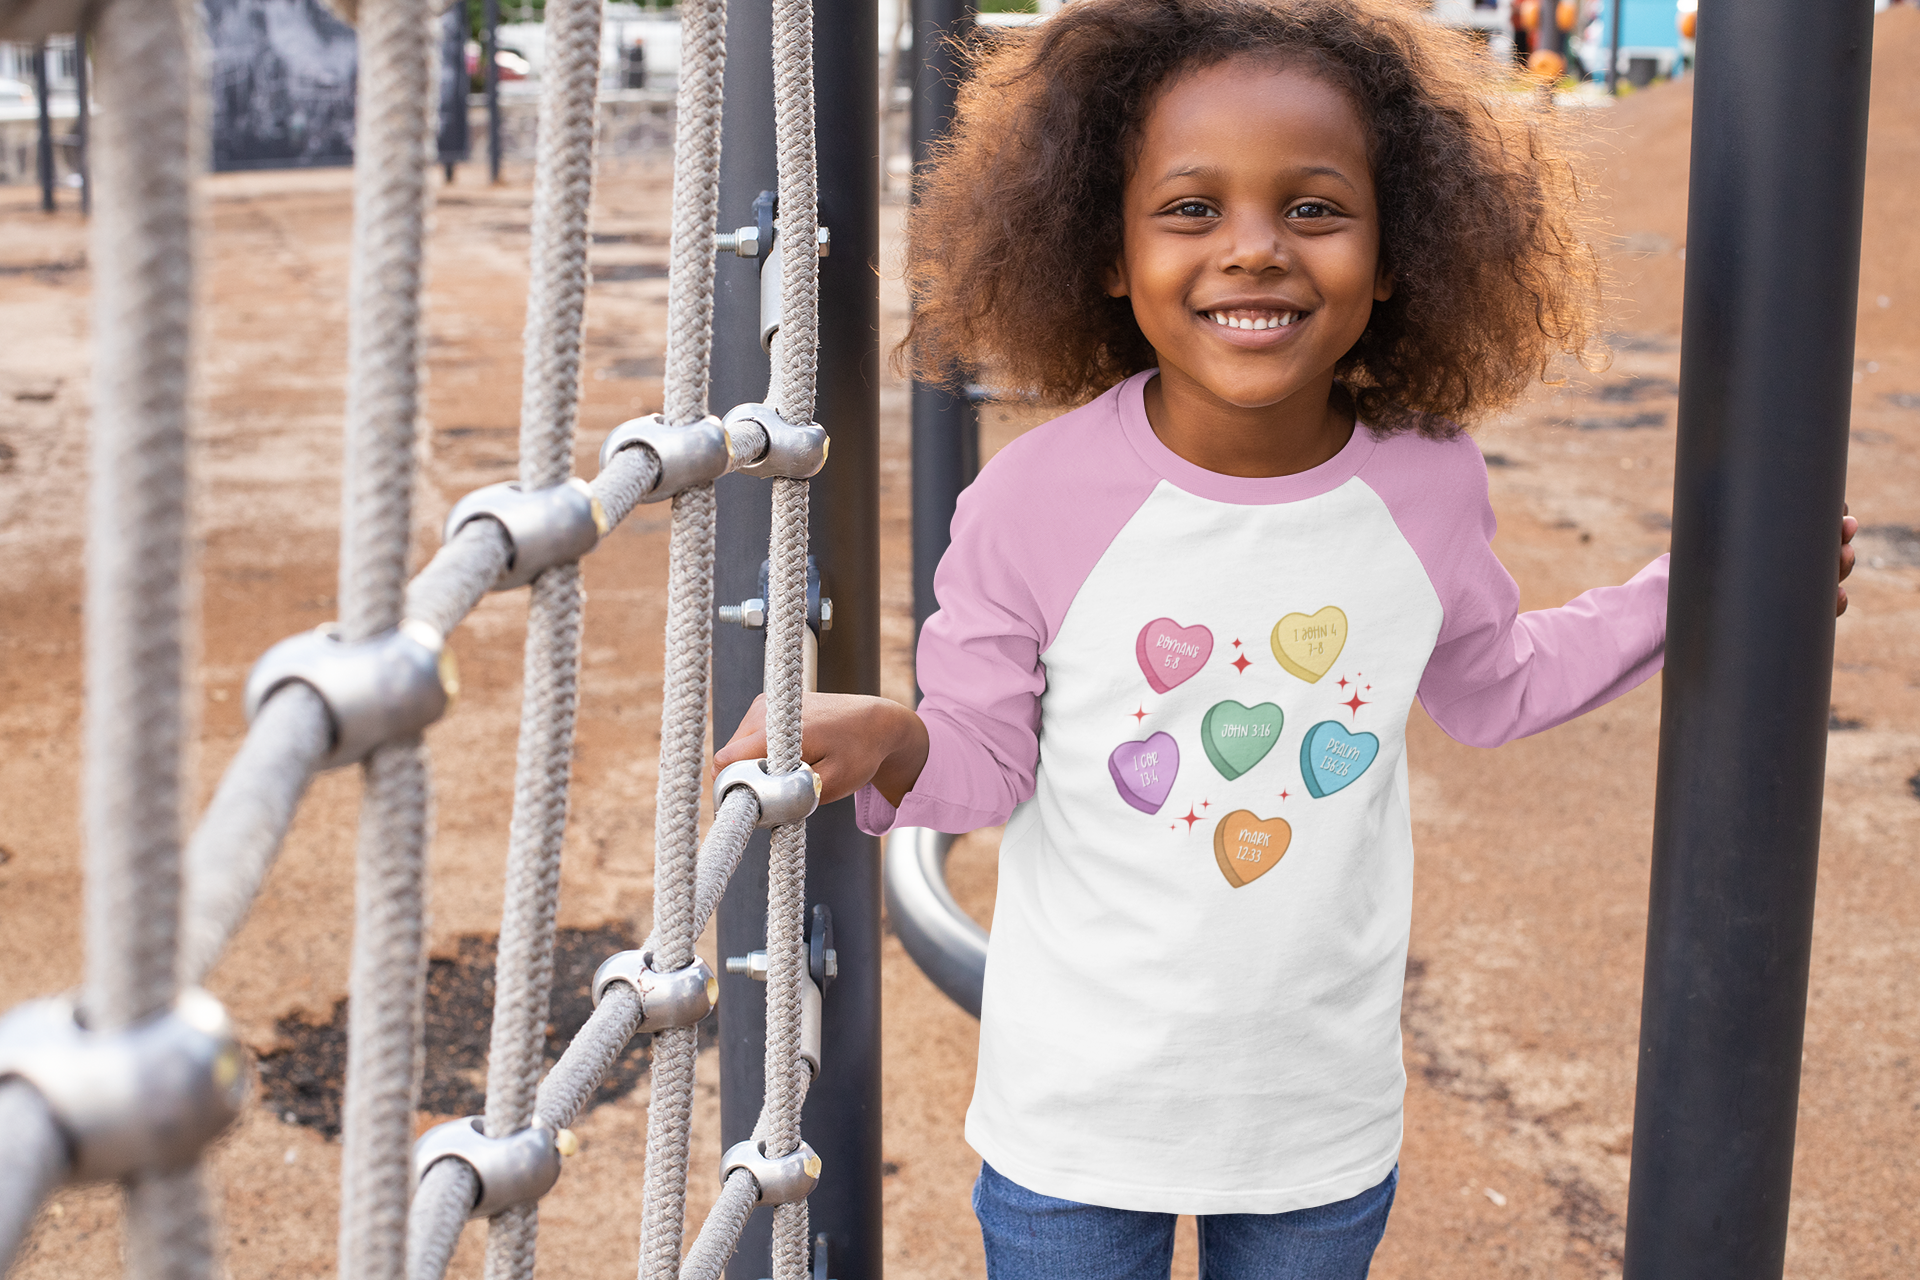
{"x": 751, "y": 614}
{"x": 826, "y": 614}
{"x": 744, "y": 243}
{"x": 752, "y": 965}
{"x": 825, "y": 239}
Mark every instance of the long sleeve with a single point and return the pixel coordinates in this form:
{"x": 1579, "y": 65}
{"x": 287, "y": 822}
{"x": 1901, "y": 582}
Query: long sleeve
{"x": 1497, "y": 674}
{"x": 1025, "y": 535}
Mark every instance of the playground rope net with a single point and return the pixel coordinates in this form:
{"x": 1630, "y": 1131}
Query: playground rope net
{"x": 132, "y": 1081}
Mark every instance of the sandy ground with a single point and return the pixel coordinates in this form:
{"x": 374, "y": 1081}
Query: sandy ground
{"x": 1523, "y": 984}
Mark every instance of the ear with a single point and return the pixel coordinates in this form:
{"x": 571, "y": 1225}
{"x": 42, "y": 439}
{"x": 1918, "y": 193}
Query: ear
{"x": 1116, "y": 278}
{"x": 1382, "y": 285}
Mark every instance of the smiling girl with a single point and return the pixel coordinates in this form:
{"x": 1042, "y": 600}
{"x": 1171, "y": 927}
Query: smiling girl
{"x": 1287, "y": 247}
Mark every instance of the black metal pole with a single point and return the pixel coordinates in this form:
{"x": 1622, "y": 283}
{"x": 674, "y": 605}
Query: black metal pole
{"x": 1614, "y": 8}
{"x": 83, "y": 122}
{"x": 946, "y": 429}
{"x": 842, "y": 1118}
{"x": 1758, "y": 486}
{"x": 43, "y": 156}
{"x": 490, "y": 80}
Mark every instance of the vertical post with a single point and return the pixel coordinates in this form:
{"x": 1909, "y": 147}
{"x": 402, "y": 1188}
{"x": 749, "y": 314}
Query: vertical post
{"x": 946, "y": 429}
{"x": 490, "y": 79}
{"x": 842, "y": 1117}
{"x": 1547, "y": 36}
{"x": 1758, "y": 485}
{"x": 1614, "y": 8}
{"x": 82, "y": 123}
{"x": 43, "y": 155}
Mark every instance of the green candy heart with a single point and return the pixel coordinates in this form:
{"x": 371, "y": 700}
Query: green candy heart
{"x": 1238, "y": 737}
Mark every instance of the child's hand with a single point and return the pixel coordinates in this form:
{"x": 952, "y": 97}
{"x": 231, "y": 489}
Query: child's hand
{"x": 849, "y": 739}
{"x": 1848, "y": 527}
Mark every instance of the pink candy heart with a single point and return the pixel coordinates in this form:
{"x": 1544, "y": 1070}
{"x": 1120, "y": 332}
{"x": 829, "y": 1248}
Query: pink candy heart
{"x": 1169, "y": 653}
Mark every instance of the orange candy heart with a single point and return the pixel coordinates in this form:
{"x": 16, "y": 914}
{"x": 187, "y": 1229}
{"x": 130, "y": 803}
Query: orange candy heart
{"x": 1247, "y": 846}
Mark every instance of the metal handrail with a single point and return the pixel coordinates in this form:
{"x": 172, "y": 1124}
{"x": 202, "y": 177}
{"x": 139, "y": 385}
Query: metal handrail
{"x": 947, "y": 944}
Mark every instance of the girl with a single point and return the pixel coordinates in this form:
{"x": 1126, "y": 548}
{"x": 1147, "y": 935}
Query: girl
{"x": 1291, "y": 244}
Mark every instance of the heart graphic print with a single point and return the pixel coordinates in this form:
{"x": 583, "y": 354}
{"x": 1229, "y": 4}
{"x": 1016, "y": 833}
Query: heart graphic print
{"x": 1144, "y": 771}
{"x": 1306, "y": 645}
{"x": 1169, "y": 654}
{"x": 1332, "y": 757}
{"x": 1246, "y": 846}
{"x": 1238, "y": 737}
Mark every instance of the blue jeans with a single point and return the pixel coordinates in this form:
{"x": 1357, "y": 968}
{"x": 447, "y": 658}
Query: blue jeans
{"x": 1034, "y": 1237}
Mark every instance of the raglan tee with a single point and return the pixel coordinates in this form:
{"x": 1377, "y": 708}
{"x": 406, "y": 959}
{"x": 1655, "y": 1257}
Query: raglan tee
{"x": 1186, "y": 696}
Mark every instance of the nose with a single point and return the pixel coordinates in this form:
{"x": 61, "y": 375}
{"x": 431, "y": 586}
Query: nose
{"x": 1254, "y": 243}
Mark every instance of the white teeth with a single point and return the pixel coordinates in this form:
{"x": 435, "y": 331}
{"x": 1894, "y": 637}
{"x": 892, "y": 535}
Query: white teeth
{"x": 1281, "y": 321}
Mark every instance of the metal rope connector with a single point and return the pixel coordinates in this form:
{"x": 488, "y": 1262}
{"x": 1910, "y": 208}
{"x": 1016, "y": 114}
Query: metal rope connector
{"x": 145, "y": 1098}
{"x": 690, "y": 456}
{"x": 377, "y": 691}
{"x": 782, "y": 1179}
{"x": 513, "y": 1170}
{"x": 678, "y": 998}
{"x": 794, "y": 450}
{"x": 547, "y": 527}
{"x": 784, "y": 797}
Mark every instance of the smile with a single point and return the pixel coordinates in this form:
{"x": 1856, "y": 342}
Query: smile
{"x": 1240, "y": 318}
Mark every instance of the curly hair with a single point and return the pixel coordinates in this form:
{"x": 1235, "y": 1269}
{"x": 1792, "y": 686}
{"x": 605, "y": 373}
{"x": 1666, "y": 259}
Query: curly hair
{"x": 1019, "y": 213}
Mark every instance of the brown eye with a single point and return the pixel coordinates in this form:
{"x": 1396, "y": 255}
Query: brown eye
{"x": 1192, "y": 209}
{"x": 1309, "y": 210}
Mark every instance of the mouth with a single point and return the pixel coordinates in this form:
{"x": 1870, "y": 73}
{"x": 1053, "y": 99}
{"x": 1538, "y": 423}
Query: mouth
{"x": 1255, "y": 319}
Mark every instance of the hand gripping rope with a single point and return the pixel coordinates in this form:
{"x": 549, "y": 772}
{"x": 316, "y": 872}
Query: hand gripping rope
{"x": 160, "y": 1070}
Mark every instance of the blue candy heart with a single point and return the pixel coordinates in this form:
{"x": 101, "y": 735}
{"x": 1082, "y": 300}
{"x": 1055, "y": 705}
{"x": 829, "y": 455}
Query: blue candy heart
{"x": 1331, "y": 757}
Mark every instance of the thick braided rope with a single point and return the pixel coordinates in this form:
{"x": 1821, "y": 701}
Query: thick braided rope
{"x": 689, "y": 633}
{"x": 793, "y": 390}
{"x": 550, "y": 391}
{"x": 33, "y": 1160}
{"x": 234, "y": 846}
{"x": 137, "y": 551}
{"x": 440, "y": 1206}
{"x": 388, "y": 971}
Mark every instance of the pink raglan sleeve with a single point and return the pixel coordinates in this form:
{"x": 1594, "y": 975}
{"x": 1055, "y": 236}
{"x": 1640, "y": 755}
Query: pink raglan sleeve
{"x": 1497, "y": 674}
{"x": 1025, "y": 535}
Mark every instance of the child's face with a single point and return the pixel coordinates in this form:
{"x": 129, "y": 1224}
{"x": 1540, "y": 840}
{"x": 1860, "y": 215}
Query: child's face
{"x": 1252, "y": 242}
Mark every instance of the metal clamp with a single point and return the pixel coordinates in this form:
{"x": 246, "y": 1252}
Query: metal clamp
{"x": 377, "y": 690}
{"x": 547, "y": 527}
{"x": 677, "y": 998}
{"x": 513, "y": 1170}
{"x": 782, "y": 1179}
{"x": 795, "y": 451}
{"x": 784, "y": 797}
{"x": 145, "y": 1098}
{"x": 689, "y": 456}
{"x": 754, "y": 965}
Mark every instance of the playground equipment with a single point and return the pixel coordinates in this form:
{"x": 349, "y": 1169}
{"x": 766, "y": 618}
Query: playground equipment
{"x": 131, "y": 1081}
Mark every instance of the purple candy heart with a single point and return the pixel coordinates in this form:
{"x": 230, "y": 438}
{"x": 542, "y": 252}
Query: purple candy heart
{"x": 1144, "y": 771}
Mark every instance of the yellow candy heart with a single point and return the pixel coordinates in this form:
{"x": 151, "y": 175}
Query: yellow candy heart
{"x": 1307, "y": 644}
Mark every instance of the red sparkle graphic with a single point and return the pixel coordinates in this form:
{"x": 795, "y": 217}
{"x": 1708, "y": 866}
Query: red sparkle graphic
{"x": 1284, "y": 794}
{"x": 1242, "y": 663}
{"x": 1343, "y": 682}
{"x": 1355, "y": 703}
{"x": 1139, "y": 715}
{"x": 1236, "y": 644}
{"x": 1190, "y": 818}
{"x": 1206, "y": 804}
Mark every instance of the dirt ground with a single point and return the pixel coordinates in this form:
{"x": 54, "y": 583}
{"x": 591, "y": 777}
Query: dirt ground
{"x": 1523, "y": 983}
